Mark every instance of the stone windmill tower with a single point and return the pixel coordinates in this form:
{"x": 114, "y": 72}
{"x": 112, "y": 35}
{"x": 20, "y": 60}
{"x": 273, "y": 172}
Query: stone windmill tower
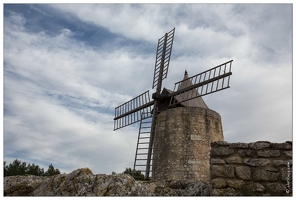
{"x": 183, "y": 138}
{"x": 176, "y": 127}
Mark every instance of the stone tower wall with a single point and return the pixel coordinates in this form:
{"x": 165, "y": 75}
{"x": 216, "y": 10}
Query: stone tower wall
{"x": 182, "y": 143}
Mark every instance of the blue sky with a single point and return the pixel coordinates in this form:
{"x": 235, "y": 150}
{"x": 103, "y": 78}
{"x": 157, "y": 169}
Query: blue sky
{"x": 67, "y": 66}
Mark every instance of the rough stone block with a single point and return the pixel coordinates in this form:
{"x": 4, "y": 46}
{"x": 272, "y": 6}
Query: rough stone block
{"x": 277, "y": 145}
{"x": 287, "y": 154}
{"x": 219, "y": 183}
{"x": 219, "y": 143}
{"x": 238, "y": 145}
{"x": 235, "y": 183}
{"x": 288, "y": 145}
{"x": 264, "y": 175}
{"x": 234, "y": 159}
{"x": 277, "y": 189}
{"x": 258, "y": 187}
{"x": 257, "y": 162}
{"x": 273, "y": 176}
{"x": 277, "y": 163}
{"x": 223, "y": 171}
{"x": 259, "y": 145}
{"x": 272, "y": 169}
{"x": 221, "y": 151}
{"x": 268, "y": 153}
{"x": 260, "y": 175}
{"x": 223, "y": 192}
{"x": 243, "y": 172}
{"x": 247, "y": 152}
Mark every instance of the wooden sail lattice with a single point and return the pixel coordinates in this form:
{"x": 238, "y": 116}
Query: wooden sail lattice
{"x": 207, "y": 82}
{"x": 163, "y": 56}
{"x": 130, "y": 112}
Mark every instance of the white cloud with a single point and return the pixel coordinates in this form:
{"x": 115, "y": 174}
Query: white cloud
{"x": 46, "y": 90}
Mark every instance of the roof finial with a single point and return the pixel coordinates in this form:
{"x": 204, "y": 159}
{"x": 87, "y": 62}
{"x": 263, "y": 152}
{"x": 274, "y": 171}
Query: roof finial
{"x": 185, "y": 72}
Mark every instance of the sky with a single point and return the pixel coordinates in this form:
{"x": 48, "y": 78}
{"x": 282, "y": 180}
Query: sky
{"x": 67, "y": 66}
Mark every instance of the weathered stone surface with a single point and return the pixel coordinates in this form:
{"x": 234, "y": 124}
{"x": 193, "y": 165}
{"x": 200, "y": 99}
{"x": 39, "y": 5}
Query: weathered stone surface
{"x": 217, "y": 161}
{"x": 238, "y": 145}
{"x": 183, "y": 152}
{"x": 256, "y": 162}
{"x": 277, "y": 189}
{"x": 22, "y": 185}
{"x": 282, "y": 146}
{"x": 261, "y": 169}
{"x": 264, "y": 175}
{"x": 247, "y": 152}
{"x": 272, "y": 169}
{"x": 234, "y": 159}
{"x": 288, "y": 154}
{"x": 277, "y": 163}
{"x": 288, "y": 145}
{"x": 219, "y": 183}
{"x": 221, "y": 151}
{"x": 258, "y": 187}
{"x": 235, "y": 183}
{"x": 277, "y": 145}
{"x": 219, "y": 143}
{"x": 243, "y": 172}
{"x": 195, "y": 189}
{"x": 268, "y": 153}
{"x": 82, "y": 182}
{"x": 222, "y": 171}
{"x": 259, "y": 145}
{"x": 273, "y": 176}
{"x": 224, "y": 192}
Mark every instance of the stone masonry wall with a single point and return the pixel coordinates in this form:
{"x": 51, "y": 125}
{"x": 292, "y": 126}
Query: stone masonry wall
{"x": 259, "y": 169}
{"x": 182, "y": 143}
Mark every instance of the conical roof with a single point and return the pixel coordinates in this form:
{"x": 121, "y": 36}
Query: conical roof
{"x": 196, "y": 102}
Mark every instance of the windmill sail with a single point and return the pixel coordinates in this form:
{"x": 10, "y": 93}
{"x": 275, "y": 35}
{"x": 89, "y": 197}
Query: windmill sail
{"x": 163, "y": 55}
{"x": 130, "y": 112}
{"x": 207, "y": 82}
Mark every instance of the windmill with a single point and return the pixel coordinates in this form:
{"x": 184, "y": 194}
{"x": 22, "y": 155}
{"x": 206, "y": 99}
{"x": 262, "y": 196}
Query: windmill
{"x": 145, "y": 110}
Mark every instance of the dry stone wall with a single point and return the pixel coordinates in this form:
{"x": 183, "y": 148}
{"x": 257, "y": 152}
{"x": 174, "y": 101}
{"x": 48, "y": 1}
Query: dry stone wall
{"x": 259, "y": 168}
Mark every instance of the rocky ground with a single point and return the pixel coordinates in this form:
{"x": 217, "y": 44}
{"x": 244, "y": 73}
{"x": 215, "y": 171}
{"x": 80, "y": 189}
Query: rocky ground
{"x": 82, "y": 182}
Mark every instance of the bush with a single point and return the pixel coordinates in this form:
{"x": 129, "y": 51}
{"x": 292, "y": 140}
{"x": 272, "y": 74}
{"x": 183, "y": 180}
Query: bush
{"x": 137, "y": 175}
